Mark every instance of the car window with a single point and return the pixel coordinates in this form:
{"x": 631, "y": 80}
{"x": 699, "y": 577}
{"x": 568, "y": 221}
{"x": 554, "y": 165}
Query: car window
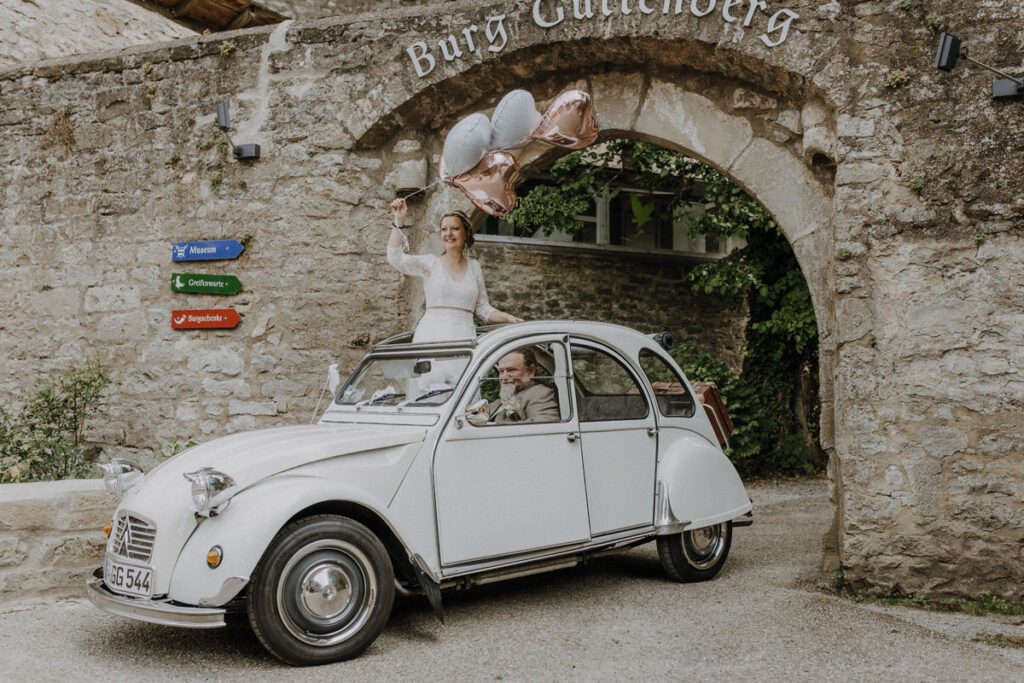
{"x": 670, "y": 391}
{"x": 525, "y": 384}
{"x": 605, "y": 389}
{"x": 416, "y": 380}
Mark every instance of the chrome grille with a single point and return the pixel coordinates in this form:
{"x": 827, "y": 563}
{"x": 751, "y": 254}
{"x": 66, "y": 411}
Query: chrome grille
{"x": 133, "y": 538}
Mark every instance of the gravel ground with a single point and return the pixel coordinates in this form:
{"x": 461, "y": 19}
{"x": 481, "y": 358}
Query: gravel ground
{"x": 762, "y": 618}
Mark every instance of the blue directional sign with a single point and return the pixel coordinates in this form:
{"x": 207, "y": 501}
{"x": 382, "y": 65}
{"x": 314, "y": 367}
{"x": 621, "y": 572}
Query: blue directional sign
{"x": 209, "y": 250}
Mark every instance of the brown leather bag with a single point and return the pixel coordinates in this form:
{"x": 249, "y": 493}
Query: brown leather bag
{"x": 711, "y": 398}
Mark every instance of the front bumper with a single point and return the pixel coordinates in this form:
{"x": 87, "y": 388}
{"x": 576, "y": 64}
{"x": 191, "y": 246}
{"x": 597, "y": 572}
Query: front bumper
{"x": 153, "y": 611}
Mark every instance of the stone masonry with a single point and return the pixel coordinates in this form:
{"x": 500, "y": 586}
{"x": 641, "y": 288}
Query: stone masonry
{"x": 51, "y": 537}
{"x": 898, "y": 186}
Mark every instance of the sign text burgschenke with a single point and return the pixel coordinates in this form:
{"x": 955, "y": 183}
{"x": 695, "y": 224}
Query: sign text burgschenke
{"x": 740, "y": 12}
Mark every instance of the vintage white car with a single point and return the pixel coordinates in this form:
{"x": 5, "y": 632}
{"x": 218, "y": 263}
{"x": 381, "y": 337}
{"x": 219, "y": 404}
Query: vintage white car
{"x": 531, "y": 448}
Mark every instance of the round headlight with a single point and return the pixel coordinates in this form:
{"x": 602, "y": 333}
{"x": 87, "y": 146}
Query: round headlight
{"x": 208, "y": 487}
{"x": 200, "y": 495}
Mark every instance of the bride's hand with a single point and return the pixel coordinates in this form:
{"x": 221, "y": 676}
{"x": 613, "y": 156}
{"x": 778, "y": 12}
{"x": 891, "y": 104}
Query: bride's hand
{"x": 399, "y": 209}
{"x": 503, "y": 317}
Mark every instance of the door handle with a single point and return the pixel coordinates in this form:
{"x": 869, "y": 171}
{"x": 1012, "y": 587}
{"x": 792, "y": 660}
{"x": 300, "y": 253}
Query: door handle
{"x": 572, "y": 436}
{"x": 652, "y": 431}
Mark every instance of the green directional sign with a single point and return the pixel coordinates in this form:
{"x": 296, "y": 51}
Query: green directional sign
{"x": 190, "y": 283}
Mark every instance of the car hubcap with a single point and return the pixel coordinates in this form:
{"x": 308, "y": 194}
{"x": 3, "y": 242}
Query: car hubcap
{"x": 326, "y": 592}
{"x": 703, "y": 547}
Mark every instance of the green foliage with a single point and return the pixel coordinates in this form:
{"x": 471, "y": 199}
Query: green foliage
{"x": 773, "y": 402}
{"x": 46, "y": 439}
{"x": 984, "y": 605}
{"x": 169, "y": 449}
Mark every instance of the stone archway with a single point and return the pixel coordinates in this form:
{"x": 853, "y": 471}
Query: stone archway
{"x": 798, "y": 196}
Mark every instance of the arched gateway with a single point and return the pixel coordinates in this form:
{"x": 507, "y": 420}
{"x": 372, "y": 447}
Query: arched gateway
{"x": 915, "y": 290}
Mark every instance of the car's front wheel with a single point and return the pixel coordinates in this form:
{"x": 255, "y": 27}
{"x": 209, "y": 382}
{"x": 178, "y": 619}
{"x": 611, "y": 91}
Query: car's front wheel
{"x": 697, "y": 554}
{"x": 322, "y": 592}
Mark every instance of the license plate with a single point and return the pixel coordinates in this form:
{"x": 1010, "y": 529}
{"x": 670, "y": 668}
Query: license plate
{"x": 131, "y": 579}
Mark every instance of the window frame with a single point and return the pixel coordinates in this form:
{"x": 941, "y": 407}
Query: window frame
{"x": 678, "y": 376}
{"x": 623, "y": 362}
{"x": 491, "y": 361}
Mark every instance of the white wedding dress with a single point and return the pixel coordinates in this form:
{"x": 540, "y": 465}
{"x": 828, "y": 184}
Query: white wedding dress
{"x": 451, "y": 302}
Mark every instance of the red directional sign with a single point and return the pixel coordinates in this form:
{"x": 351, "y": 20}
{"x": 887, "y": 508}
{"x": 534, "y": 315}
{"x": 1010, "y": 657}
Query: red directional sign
{"x": 205, "y": 319}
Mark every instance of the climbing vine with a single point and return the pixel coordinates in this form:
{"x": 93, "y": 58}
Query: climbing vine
{"x": 773, "y": 400}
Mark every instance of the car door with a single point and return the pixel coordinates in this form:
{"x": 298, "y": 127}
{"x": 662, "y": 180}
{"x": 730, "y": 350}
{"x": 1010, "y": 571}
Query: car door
{"x": 512, "y": 488}
{"x": 619, "y": 436}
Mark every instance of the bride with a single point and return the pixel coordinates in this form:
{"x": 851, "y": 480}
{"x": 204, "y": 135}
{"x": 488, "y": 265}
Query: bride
{"x": 453, "y": 285}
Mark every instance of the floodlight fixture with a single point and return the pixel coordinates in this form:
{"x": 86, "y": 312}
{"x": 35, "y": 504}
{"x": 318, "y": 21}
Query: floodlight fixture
{"x": 245, "y": 152}
{"x": 224, "y": 116}
{"x": 950, "y": 50}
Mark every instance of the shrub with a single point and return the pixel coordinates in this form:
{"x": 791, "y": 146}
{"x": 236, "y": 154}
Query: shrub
{"x": 46, "y": 439}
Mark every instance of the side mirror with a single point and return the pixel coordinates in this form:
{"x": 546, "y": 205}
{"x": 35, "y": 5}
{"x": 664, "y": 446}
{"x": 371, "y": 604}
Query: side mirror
{"x": 333, "y": 378}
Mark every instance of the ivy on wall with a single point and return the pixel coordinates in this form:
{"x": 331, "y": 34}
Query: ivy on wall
{"x": 773, "y": 400}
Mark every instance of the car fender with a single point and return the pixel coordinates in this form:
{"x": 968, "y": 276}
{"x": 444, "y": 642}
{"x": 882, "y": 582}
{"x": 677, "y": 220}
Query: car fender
{"x": 697, "y": 484}
{"x": 246, "y": 528}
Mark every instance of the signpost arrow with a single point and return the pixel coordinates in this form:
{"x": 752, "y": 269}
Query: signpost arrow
{"x": 210, "y": 250}
{"x": 190, "y": 283}
{"x": 207, "y": 318}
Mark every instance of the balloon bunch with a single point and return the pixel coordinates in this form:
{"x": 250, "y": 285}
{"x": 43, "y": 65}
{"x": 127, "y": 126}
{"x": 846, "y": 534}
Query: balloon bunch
{"x": 476, "y": 156}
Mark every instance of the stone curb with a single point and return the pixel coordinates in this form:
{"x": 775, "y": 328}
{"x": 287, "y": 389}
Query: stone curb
{"x": 51, "y": 537}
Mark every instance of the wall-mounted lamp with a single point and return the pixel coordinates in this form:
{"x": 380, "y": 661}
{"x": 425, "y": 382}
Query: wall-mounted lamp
{"x": 950, "y": 51}
{"x": 241, "y": 152}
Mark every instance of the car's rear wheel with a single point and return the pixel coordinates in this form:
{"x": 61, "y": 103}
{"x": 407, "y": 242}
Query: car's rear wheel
{"x": 322, "y": 592}
{"x": 697, "y": 554}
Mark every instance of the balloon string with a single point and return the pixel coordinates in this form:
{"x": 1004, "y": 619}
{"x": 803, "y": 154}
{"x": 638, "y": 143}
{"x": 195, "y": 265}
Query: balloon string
{"x": 424, "y": 189}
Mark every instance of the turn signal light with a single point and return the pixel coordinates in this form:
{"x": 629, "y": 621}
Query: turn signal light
{"x": 107, "y": 528}
{"x": 214, "y": 556}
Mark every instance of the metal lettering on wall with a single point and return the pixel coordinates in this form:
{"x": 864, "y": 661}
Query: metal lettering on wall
{"x": 551, "y": 13}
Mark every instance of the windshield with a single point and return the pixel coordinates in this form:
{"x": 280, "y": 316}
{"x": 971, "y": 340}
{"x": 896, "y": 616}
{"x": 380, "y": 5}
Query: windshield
{"x": 420, "y": 380}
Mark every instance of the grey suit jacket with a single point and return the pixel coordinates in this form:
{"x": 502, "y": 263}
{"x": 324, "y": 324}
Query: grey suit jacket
{"x": 536, "y": 404}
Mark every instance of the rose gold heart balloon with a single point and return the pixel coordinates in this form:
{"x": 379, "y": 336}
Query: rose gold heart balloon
{"x": 569, "y": 122}
{"x": 490, "y": 185}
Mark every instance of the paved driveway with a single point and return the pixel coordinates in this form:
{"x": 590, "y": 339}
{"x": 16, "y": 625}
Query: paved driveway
{"x": 619, "y": 618}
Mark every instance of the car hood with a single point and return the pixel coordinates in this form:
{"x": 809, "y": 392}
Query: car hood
{"x": 164, "y": 499}
{"x": 250, "y": 457}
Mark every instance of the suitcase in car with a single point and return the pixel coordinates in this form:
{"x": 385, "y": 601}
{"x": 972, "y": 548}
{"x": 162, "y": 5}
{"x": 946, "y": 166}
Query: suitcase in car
{"x": 711, "y": 398}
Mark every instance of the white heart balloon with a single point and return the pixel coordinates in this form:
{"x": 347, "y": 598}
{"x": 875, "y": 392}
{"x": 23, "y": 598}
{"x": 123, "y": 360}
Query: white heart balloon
{"x": 514, "y": 118}
{"x": 466, "y": 144}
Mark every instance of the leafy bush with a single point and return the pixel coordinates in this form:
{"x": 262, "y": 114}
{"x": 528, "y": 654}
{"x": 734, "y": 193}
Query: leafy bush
{"x": 46, "y": 439}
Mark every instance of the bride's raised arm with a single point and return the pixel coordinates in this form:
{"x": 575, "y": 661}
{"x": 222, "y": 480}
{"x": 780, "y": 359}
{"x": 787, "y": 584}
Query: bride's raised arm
{"x": 407, "y": 264}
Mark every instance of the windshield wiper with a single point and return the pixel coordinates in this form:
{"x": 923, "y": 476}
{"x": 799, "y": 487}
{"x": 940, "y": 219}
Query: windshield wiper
{"x": 432, "y": 393}
{"x": 381, "y": 399}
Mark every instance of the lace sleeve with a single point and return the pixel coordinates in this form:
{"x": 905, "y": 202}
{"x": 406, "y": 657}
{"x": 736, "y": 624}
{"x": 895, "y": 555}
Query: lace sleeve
{"x": 409, "y": 264}
{"x": 483, "y": 306}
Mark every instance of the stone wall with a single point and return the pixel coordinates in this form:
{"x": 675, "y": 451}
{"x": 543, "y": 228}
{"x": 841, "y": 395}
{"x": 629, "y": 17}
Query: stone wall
{"x": 51, "y": 537}
{"x": 898, "y": 186}
{"x": 643, "y": 291}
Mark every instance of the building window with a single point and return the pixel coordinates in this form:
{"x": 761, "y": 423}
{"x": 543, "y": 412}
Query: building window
{"x": 611, "y": 221}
